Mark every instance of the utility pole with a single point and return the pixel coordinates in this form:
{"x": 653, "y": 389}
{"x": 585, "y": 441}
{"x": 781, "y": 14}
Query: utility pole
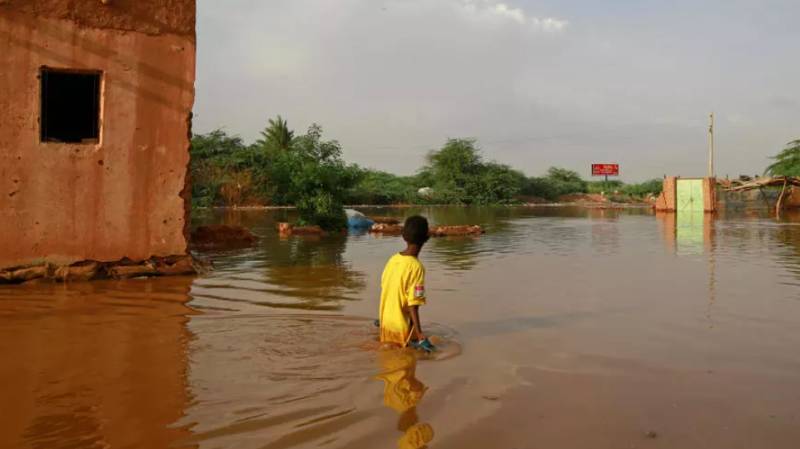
{"x": 711, "y": 145}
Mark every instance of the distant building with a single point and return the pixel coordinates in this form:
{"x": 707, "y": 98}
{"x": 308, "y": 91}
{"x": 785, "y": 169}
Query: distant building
{"x": 95, "y": 115}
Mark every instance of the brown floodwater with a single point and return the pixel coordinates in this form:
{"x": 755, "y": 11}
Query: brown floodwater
{"x": 559, "y": 328}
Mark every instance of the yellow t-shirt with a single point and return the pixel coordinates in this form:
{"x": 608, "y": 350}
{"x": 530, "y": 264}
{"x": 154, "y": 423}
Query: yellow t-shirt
{"x": 402, "y": 286}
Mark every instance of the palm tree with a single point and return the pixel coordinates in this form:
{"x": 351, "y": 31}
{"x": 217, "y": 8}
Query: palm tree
{"x": 787, "y": 162}
{"x": 276, "y": 136}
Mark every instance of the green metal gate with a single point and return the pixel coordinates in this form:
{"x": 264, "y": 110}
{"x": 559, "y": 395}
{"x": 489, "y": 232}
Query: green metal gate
{"x": 689, "y": 195}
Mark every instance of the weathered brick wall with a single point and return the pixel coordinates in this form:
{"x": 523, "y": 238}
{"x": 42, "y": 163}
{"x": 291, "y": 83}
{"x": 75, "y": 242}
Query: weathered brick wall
{"x": 144, "y": 16}
{"x": 710, "y": 194}
{"x": 765, "y": 199}
{"x": 121, "y": 197}
{"x": 666, "y": 201}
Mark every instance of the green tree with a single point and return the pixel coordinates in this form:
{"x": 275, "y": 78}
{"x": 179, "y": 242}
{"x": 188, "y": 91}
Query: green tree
{"x": 217, "y": 159}
{"x": 458, "y": 174}
{"x": 276, "y": 136}
{"x": 497, "y": 184}
{"x": 313, "y": 177}
{"x": 378, "y": 187}
{"x": 570, "y": 181}
{"x": 651, "y": 187}
{"x": 557, "y": 182}
{"x": 453, "y": 169}
{"x": 216, "y": 144}
{"x": 787, "y": 162}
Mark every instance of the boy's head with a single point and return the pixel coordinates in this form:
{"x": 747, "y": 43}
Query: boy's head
{"x": 415, "y": 231}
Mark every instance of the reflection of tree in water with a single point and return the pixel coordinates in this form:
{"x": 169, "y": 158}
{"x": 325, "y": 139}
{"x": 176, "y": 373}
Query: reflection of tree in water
{"x": 463, "y": 253}
{"x": 402, "y": 391}
{"x": 455, "y": 253}
{"x": 311, "y": 269}
{"x": 258, "y": 221}
{"x": 788, "y": 236}
{"x": 605, "y": 230}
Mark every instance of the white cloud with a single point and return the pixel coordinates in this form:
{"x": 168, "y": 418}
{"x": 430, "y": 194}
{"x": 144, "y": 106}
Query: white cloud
{"x": 392, "y": 79}
{"x": 549, "y": 24}
{"x": 515, "y": 14}
{"x": 492, "y": 11}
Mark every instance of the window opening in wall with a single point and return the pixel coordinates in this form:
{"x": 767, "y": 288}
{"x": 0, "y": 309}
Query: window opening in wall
{"x": 70, "y": 109}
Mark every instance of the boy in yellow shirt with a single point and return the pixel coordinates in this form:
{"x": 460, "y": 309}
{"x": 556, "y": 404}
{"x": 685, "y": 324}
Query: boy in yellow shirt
{"x": 403, "y": 290}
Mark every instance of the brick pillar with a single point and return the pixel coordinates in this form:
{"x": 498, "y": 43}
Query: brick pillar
{"x": 710, "y": 194}
{"x": 666, "y": 201}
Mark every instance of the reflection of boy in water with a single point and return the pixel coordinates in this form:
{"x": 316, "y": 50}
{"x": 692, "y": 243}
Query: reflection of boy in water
{"x": 403, "y": 287}
{"x": 401, "y": 392}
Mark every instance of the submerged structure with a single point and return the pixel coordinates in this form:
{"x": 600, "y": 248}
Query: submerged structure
{"x": 688, "y": 195}
{"x": 698, "y": 195}
{"x": 95, "y": 105}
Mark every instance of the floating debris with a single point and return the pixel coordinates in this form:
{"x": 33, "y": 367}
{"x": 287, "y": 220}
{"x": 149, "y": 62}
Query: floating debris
{"x": 445, "y": 231}
{"x": 389, "y": 229}
{"x": 287, "y": 229}
{"x": 435, "y": 231}
{"x": 386, "y": 220}
{"x": 222, "y": 236}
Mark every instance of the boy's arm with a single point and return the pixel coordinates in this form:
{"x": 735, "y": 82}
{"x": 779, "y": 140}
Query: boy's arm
{"x": 417, "y": 325}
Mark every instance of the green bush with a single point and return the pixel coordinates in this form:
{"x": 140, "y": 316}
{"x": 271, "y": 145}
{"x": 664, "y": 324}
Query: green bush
{"x": 458, "y": 175}
{"x": 377, "y": 187}
{"x": 651, "y": 187}
{"x": 557, "y": 182}
{"x": 318, "y": 179}
{"x": 604, "y": 187}
{"x": 497, "y": 184}
{"x": 213, "y": 156}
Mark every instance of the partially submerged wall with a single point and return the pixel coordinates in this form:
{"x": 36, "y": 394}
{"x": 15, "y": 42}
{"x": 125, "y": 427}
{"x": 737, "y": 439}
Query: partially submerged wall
{"x": 709, "y": 194}
{"x": 758, "y": 199}
{"x": 666, "y": 201}
{"x": 120, "y": 197}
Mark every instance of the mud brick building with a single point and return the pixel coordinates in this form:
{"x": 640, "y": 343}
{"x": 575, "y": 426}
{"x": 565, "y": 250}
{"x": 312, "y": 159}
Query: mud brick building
{"x": 95, "y": 115}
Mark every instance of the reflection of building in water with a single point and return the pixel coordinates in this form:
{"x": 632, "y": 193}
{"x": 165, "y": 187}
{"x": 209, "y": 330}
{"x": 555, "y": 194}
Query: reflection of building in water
{"x": 94, "y": 365}
{"x": 692, "y": 233}
{"x": 402, "y": 392}
{"x": 687, "y": 233}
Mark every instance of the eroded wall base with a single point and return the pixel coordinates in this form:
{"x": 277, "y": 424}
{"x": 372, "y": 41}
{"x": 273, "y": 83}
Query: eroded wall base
{"x": 91, "y": 270}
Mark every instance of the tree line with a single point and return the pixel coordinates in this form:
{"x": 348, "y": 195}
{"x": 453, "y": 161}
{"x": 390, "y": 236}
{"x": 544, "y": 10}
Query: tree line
{"x": 283, "y": 168}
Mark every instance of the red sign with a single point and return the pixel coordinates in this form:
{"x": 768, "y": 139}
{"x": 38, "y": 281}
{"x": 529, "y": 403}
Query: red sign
{"x": 605, "y": 169}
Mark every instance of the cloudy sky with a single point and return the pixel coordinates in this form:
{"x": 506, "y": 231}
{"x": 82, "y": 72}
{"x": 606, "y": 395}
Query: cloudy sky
{"x": 537, "y": 82}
